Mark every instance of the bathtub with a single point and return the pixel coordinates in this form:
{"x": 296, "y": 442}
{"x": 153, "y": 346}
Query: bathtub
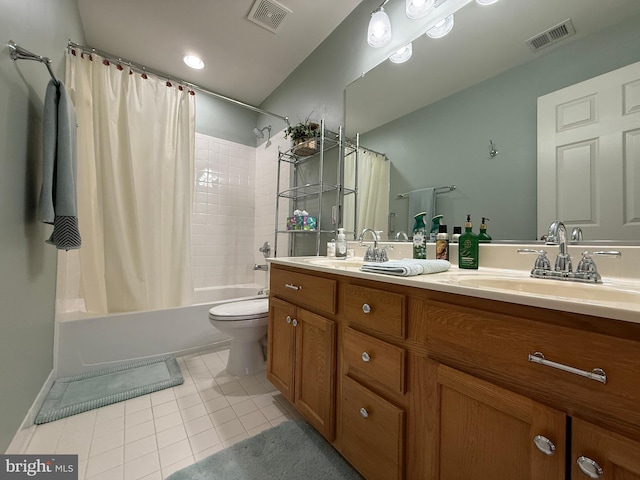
{"x": 86, "y": 343}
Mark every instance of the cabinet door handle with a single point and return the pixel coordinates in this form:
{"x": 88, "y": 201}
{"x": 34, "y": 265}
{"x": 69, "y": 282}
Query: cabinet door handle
{"x": 596, "y": 374}
{"x": 288, "y": 319}
{"x": 589, "y": 467}
{"x": 545, "y": 445}
{"x": 366, "y": 308}
{"x": 364, "y": 413}
{"x": 292, "y": 286}
{"x": 366, "y": 357}
{"x": 294, "y": 322}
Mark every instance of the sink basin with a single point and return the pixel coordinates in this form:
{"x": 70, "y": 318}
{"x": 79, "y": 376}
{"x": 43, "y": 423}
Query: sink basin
{"x": 556, "y": 288}
{"x": 335, "y": 263}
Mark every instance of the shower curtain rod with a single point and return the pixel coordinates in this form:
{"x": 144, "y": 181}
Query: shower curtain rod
{"x": 19, "y": 53}
{"x": 142, "y": 68}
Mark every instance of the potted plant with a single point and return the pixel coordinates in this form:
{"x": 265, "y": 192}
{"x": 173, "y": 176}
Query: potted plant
{"x": 303, "y": 136}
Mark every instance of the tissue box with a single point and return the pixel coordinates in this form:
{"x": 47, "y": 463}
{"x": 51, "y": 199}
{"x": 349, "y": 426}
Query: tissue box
{"x": 306, "y": 222}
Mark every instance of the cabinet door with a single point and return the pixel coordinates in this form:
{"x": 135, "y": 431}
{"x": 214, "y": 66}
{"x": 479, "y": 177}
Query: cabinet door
{"x": 487, "y": 433}
{"x": 315, "y": 370}
{"x": 280, "y": 349}
{"x": 618, "y": 457}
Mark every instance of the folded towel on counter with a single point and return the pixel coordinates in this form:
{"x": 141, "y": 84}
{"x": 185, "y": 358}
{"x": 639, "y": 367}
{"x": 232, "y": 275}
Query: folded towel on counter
{"x": 407, "y": 267}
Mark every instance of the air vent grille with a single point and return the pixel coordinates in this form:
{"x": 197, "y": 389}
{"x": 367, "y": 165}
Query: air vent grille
{"x": 552, "y": 35}
{"x": 268, "y": 14}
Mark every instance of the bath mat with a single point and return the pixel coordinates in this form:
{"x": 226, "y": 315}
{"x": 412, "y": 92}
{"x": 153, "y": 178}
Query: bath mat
{"x": 77, "y": 394}
{"x": 292, "y": 450}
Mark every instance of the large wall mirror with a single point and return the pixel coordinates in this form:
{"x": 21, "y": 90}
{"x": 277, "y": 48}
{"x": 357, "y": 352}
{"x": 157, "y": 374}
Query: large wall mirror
{"x": 463, "y": 110}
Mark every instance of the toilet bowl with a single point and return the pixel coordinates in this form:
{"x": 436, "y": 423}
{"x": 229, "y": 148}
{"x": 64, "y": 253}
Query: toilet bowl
{"x": 246, "y": 323}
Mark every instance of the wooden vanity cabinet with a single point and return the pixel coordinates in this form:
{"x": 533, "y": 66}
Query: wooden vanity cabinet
{"x": 301, "y": 355}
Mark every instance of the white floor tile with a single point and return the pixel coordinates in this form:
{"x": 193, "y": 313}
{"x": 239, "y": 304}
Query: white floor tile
{"x": 197, "y": 425}
{"x": 116, "y": 473}
{"x": 139, "y": 448}
{"x": 230, "y": 429}
{"x": 204, "y": 440}
{"x": 222, "y": 416}
{"x": 244, "y": 407}
{"x": 142, "y": 466}
{"x": 174, "y": 467}
{"x": 139, "y": 431}
{"x": 171, "y": 435}
{"x": 175, "y": 452}
{"x": 106, "y": 442}
{"x": 165, "y": 409}
{"x": 253, "y": 420}
{"x": 105, "y": 461}
{"x": 138, "y": 417}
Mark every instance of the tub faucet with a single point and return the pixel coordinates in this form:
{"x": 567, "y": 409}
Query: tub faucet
{"x": 557, "y": 235}
{"x": 262, "y": 268}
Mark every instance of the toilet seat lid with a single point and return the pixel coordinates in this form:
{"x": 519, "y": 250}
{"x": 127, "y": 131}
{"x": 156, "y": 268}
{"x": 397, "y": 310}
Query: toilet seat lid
{"x": 243, "y": 310}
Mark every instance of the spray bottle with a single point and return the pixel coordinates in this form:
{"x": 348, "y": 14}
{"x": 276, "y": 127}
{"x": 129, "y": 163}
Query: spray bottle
{"x": 341, "y": 244}
{"x": 435, "y": 227}
{"x": 419, "y": 236}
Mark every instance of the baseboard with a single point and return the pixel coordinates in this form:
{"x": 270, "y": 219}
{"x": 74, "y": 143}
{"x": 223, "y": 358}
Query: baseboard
{"x": 23, "y": 436}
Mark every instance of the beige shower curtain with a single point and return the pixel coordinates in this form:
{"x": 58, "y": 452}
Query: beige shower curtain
{"x": 136, "y": 142}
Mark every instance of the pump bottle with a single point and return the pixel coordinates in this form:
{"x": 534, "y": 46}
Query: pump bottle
{"x": 468, "y": 249}
{"x": 442, "y": 243}
{"x": 483, "y": 236}
{"x": 341, "y": 244}
{"x": 419, "y": 237}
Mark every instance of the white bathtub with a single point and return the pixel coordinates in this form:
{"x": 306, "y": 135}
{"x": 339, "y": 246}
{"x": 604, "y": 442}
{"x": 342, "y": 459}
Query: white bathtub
{"x": 87, "y": 343}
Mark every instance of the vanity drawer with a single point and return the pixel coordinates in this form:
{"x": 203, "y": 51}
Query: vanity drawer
{"x": 497, "y": 347}
{"x": 373, "y": 433}
{"x": 377, "y": 309}
{"x": 302, "y": 289}
{"x": 378, "y": 360}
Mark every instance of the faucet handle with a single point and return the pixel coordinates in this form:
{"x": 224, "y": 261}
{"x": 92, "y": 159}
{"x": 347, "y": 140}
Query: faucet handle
{"x": 542, "y": 262}
{"x": 587, "y": 265}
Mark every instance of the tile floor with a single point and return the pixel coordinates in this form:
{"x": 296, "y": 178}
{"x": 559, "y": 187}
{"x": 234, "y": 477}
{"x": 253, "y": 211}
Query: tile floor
{"x": 150, "y": 437}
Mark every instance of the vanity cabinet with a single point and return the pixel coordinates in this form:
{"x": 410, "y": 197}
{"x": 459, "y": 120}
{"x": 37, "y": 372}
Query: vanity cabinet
{"x": 301, "y": 356}
{"x": 439, "y": 386}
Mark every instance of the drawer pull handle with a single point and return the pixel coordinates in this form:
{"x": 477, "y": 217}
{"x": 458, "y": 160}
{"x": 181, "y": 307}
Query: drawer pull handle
{"x": 545, "y": 445}
{"x": 288, "y": 319}
{"x": 596, "y": 374}
{"x": 366, "y": 308}
{"x": 590, "y": 468}
{"x": 366, "y": 357}
{"x": 364, "y": 413}
{"x": 294, "y": 322}
{"x": 292, "y": 286}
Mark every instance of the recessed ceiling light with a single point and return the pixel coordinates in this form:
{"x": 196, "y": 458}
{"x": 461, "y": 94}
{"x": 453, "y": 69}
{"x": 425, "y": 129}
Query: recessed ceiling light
{"x": 193, "y": 62}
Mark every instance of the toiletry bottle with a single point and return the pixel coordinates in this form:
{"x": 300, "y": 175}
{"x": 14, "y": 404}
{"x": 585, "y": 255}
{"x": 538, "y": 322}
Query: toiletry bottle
{"x": 468, "y": 250}
{"x": 456, "y": 234}
{"x": 331, "y": 248}
{"x": 483, "y": 236}
{"x": 419, "y": 236}
{"x": 341, "y": 244}
{"x": 435, "y": 225}
{"x": 442, "y": 243}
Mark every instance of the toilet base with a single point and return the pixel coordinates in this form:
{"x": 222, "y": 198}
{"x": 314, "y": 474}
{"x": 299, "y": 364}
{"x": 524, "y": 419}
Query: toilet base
{"x": 246, "y": 358}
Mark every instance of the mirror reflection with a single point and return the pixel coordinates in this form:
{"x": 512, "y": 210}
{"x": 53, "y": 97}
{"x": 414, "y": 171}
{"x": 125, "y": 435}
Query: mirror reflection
{"x": 463, "y": 110}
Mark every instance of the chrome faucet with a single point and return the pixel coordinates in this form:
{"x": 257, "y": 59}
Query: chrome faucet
{"x": 402, "y": 236}
{"x": 557, "y": 235}
{"x": 373, "y": 255}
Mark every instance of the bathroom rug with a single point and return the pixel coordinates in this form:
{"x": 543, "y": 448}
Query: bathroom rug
{"x": 72, "y": 395}
{"x": 292, "y": 450}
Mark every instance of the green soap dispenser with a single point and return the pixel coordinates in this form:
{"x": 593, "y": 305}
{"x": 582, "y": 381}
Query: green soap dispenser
{"x": 468, "y": 248}
{"x": 435, "y": 227}
{"x": 483, "y": 236}
{"x": 419, "y": 236}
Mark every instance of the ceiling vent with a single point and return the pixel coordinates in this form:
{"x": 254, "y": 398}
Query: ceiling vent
{"x": 552, "y": 35}
{"x": 268, "y": 14}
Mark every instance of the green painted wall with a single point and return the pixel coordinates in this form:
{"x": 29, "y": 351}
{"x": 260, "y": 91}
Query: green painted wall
{"x": 28, "y": 265}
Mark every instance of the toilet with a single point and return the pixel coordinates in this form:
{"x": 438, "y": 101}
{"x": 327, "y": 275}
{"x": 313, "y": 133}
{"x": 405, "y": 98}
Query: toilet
{"x": 246, "y": 323}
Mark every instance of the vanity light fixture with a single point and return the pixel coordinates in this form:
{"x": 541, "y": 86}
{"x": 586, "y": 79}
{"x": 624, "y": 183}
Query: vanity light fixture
{"x": 486, "y": 2}
{"x": 403, "y": 54}
{"x": 418, "y": 8}
{"x": 379, "y": 31}
{"x": 193, "y": 62}
{"x": 441, "y": 28}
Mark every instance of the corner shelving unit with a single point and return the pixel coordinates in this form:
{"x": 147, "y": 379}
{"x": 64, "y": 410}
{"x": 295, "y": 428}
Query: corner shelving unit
{"x": 313, "y": 194}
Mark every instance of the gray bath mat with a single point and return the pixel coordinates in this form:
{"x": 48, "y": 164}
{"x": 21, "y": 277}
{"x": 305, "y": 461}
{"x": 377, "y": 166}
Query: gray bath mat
{"x": 77, "y": 394}
{"x": 292, "y": 450}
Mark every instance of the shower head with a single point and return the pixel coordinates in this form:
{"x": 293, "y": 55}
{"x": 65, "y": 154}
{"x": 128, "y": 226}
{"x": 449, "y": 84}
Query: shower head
{"x": 258, "y": 132}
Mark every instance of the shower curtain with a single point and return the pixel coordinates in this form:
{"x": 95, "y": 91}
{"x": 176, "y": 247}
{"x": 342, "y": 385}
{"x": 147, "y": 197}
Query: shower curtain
{"x": 374, "y": 171}
{"x": 136, "y": 146}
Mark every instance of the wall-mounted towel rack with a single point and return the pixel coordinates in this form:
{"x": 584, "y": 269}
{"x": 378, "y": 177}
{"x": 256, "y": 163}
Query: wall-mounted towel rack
{"x": 445, "y": 189}
{"x": 19, "y": 53}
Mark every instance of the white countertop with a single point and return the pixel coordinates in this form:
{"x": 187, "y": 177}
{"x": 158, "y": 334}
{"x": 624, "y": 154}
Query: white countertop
{"x": 615, "y": 298}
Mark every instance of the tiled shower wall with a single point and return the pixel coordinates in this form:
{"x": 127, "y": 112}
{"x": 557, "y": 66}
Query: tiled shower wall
{"x": 233, "y": 215}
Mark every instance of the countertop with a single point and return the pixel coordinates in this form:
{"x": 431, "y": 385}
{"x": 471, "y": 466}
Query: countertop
{"x": 617, "y": 299}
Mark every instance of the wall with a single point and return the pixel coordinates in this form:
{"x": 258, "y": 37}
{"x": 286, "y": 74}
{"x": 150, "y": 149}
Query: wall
{"x": 28, "y": 265}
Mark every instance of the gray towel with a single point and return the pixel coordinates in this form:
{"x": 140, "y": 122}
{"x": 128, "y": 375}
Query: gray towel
{"x": 58, "y": 194}
{"x": 422, "y": 200}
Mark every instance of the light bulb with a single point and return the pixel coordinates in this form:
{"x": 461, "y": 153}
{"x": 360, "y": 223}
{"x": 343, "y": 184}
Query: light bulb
{"x": 379, "y": 31}
{"x": 193, "y": 62}
{"x": 403, "y": 54}
{"x": 441, "y": 28}
{"x": 486, "y": 2}
{"x": 418, "y": 8}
